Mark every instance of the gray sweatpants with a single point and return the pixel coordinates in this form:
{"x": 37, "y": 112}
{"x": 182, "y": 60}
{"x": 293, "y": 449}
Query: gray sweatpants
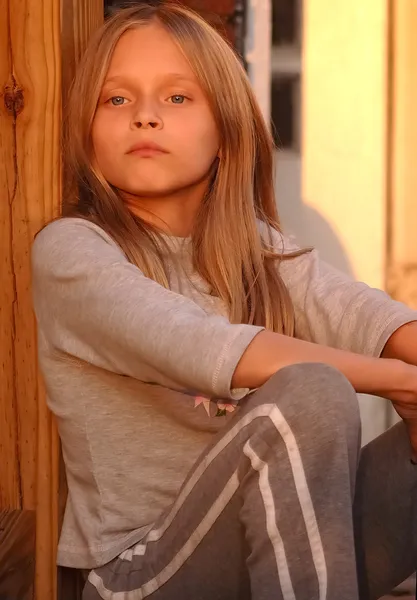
{"x": 270, "y": 509}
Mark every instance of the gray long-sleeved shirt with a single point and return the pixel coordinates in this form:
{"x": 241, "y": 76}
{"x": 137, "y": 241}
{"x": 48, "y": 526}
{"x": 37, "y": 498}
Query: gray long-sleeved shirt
{"x": 139, "y": 377}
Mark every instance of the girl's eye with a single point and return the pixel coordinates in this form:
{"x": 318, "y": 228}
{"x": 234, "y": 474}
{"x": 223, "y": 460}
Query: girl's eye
{"x": 177, "y": 99}
{"x": 117, "y": 100}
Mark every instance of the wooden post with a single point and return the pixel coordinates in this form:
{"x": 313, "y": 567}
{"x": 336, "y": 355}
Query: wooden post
{"x": 30, "y": 188}
{"x": 30, "y": 196}
{"x": 79, "y": 19}
{"x": 402, "y": 174}
{"x": 402, "y": 247}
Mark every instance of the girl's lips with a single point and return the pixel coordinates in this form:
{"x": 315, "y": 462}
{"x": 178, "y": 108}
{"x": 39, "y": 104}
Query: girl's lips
{"x": 147, "y": 149}
{"x": 147, "y": 152}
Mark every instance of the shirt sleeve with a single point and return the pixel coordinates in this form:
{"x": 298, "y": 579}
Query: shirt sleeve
{"x": 91, "y": 303}
{"x": 335, "y": 310}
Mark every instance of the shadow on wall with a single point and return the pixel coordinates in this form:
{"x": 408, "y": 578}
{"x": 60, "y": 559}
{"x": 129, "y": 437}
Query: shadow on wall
{"x": 303, "y": 221}
{"x": 311, "y": 229}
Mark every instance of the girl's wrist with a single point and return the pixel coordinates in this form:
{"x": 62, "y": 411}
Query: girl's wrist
{"x": 405, "y": 374}
{"x": 399, "y": 379}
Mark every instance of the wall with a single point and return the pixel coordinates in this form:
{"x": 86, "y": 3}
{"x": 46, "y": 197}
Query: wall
{"x": 335, "y": 198}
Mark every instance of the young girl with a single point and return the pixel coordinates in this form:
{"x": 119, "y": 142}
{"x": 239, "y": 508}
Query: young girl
{"x": 202, "y": 368}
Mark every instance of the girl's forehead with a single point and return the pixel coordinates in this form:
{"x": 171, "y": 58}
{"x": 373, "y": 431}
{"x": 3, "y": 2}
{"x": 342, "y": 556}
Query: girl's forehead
{"x": 149, "y": 49}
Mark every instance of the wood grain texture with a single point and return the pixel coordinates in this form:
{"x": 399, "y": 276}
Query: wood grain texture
{"x": 80, "y": 18}
{"x": 10, "y": 488}
{"x": 402, "y": 209}
{"x": 17, "y": 554}
{"x": 35, "y": 72}
{"x": 30, "y": 115}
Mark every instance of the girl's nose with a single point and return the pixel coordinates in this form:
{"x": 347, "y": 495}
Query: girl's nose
{"x": 147, "y": 123}
{"x": 146, "y": 118}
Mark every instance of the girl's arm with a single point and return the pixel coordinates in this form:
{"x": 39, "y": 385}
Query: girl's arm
{"x": 387, "y": 377}
{"x": 91, "y": 303}
{"x": 269, "y": 352}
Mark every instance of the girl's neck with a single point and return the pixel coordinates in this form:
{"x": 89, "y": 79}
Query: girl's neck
{"x": 174, "y": 214}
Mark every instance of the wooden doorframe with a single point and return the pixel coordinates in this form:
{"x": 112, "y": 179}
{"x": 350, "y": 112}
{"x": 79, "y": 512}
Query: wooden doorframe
{"x": 401, "y": 271}
{"x": 402, "y": 205}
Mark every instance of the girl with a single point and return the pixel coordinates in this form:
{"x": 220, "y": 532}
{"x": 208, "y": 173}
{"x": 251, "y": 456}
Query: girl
{"x": 202, "y": 368}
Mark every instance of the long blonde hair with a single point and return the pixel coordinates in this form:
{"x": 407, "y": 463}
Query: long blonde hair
{"x": 228, "y": 251}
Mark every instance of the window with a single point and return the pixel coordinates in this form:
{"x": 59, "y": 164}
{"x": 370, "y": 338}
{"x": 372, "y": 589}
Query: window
{"x": 286, "y": 73}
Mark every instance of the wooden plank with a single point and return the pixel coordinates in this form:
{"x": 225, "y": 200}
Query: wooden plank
{"x": 402, "y": 248}
{"x": 35, "y": 75}
{"x": 34, "y": 34}
{"x": 17, "y": 554}
{"x": 30, "y": 183}
{"x": 79, "y": 19}
{"x": 10, "y": 488}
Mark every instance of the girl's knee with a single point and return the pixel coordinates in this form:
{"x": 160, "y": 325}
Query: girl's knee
{"x": 312, "y": 396}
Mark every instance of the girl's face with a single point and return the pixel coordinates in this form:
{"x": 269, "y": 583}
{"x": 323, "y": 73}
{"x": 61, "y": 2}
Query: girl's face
{"x": 153, "y": 132}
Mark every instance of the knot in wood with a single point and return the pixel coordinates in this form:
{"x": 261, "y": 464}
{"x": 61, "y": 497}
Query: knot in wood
{"x": 14, "y": 100}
